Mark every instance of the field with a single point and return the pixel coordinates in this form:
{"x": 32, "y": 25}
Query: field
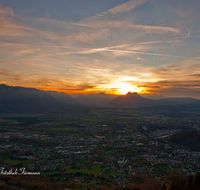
{"x": 114, "y": 173}
{"x": 94, "y": 169}
{"x": 165, "y": 168}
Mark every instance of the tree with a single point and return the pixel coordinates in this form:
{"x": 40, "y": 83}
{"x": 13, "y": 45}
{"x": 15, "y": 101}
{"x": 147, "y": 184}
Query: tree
{"x": 164, "y": 187}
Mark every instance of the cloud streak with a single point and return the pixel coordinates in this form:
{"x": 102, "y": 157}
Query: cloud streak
{"x": 6, "y": 11}
{"x": 125, "y": 7}
{"x": 187, "y": 32}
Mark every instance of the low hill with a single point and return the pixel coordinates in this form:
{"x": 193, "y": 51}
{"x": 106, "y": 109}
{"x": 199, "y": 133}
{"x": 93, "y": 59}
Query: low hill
{"x": 195, "y": 108}
{"x": 190, "y": 139}
{"x": 182, "y": 100}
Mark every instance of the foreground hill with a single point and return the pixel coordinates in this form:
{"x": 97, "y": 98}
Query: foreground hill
{"x": 182, "y": 100}
{"x": 28, "y": 100}
{"x": 176, "y": 108}
{"x": 190, "y": 139}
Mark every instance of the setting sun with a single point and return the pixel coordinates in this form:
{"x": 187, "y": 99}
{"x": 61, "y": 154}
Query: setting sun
{"x": 124, "y": 88}
{"x": 120, "y": 88}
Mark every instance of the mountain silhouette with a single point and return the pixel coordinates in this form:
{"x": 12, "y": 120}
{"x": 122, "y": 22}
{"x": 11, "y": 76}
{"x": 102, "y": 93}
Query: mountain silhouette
{"x": 131, "y": 100}
{"x": 29, "y": 100}
{"x": 63, "y": 97}
{"x": 135, "y": 100}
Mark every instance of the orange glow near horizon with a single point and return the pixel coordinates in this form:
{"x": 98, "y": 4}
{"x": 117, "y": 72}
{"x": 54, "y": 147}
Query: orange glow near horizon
{"x": 118, "y": 88}
{"x": 114, "y": 88}
{"x": 124, "y": 88}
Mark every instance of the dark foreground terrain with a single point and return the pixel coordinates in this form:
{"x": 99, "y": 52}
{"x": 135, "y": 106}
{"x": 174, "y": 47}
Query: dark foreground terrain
{"x": 101, "y": 149}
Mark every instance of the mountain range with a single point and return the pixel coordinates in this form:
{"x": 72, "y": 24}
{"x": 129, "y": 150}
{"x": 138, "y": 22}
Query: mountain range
{"x": 31, "y": 100}
{"x": 63, "y": 97}
{"x": 135, "y": 100}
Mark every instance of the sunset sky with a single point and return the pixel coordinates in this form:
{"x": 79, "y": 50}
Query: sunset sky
{"x": 112, "y": 46}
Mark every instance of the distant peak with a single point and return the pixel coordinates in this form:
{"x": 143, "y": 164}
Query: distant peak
{"x": 3, "y": 84}
{"x": 132, "y": 93}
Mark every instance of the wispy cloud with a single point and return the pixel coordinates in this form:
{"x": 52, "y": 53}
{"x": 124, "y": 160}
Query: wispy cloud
{"x": 131, "y": 51}
{"x": 195, "y": 75}
{"x": 6, "y": 11}
{"x": 157, "y": 29}
{"x": 61, "y": 84}
{"x": 187, "y": 32}
{"x": 9, "y": 63}
{"x": 174, "y": 88}
{"x": 4, "y": 72}
{"x": 10, "y": 75}
{"x": 104, "y": 29}
{"x": 7, "y": 25}
{"x": 159, "y": 42}
{"x": 125, "y": 7}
